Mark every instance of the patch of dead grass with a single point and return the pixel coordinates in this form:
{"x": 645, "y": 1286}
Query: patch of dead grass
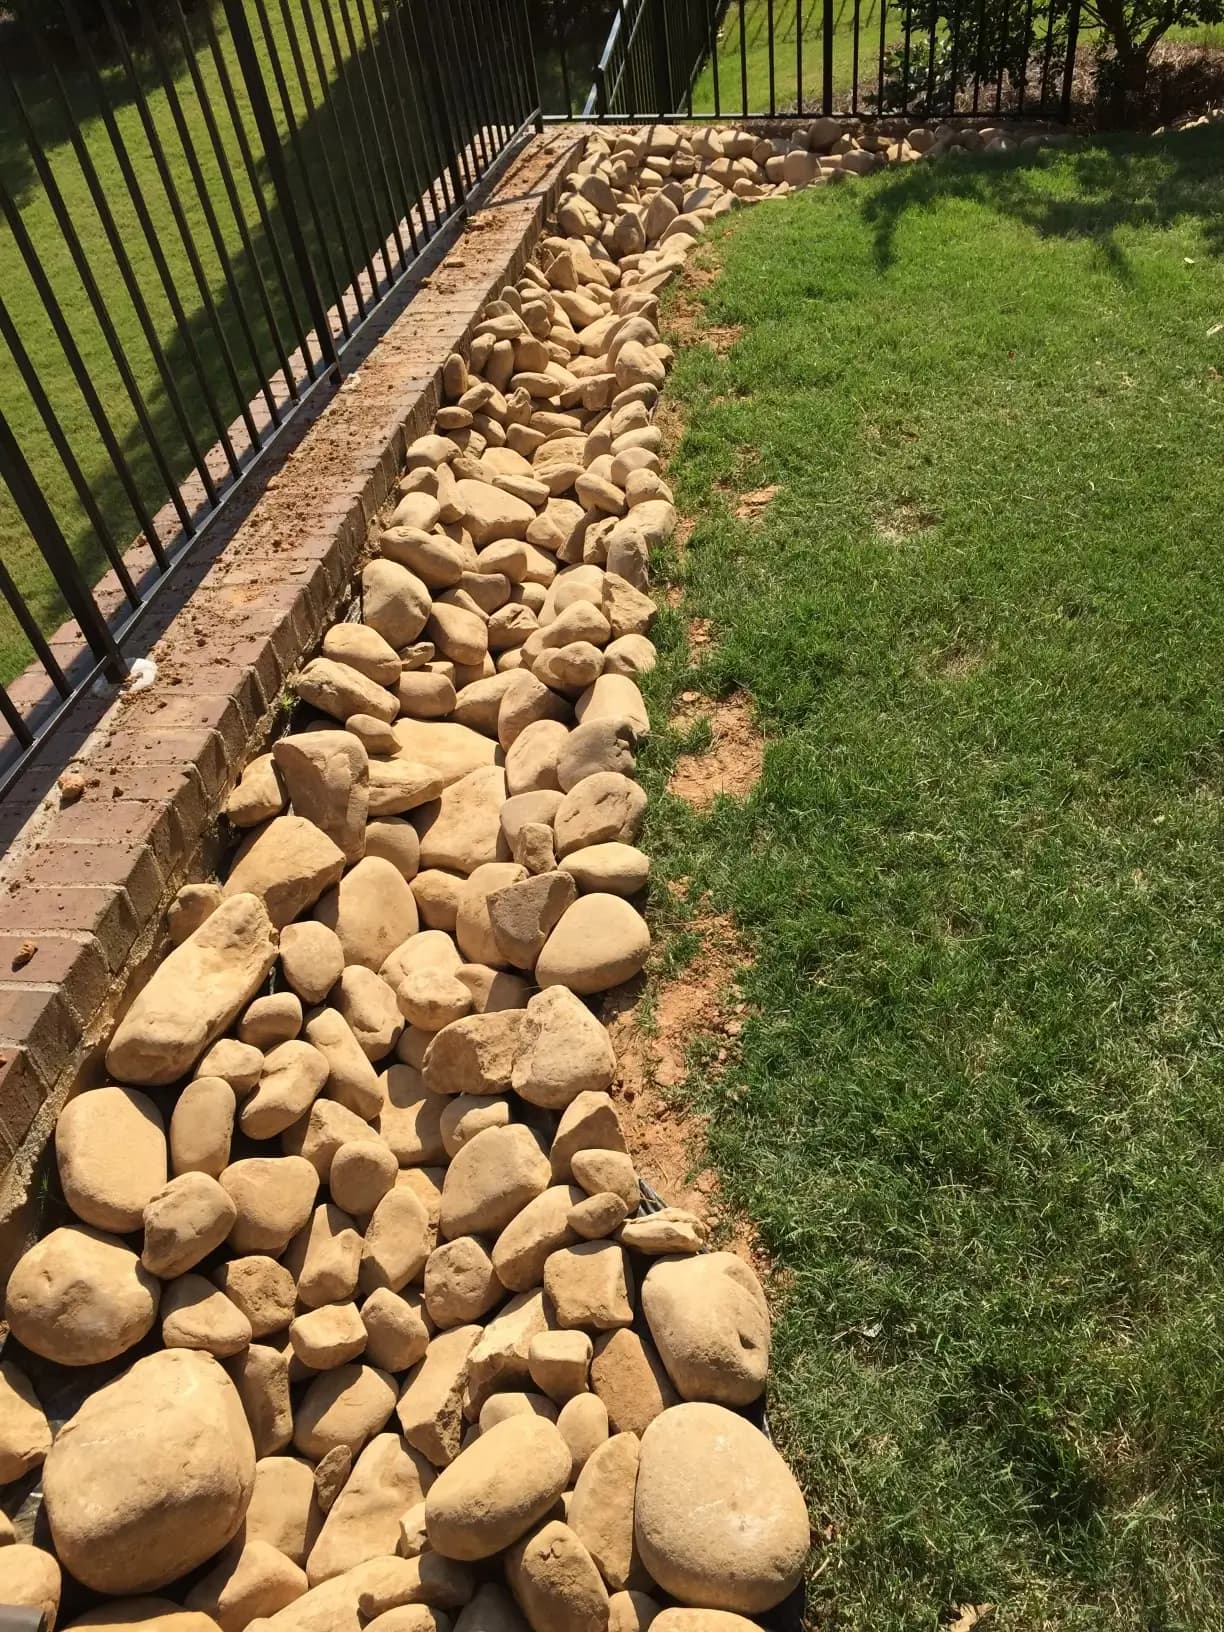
{"x": 900, "y": 523}
{"x": 960, "y": 662}
{"x": 752, "y": 506}
{"x": 731, "y": 764}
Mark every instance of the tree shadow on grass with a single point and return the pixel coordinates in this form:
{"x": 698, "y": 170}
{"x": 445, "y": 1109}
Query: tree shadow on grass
{"x": 1123, "y": 183}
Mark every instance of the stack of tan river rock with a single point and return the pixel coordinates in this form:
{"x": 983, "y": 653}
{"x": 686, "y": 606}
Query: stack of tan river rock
{"x": 381, "y": 1334}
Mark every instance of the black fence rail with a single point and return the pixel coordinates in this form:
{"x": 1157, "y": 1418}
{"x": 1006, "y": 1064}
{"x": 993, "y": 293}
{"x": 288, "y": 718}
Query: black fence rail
{"x": 925, "y": 59}
{"x": 202, "y": 205}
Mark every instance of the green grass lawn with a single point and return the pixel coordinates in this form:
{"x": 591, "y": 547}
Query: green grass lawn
{"x": 977, "y": 1109}
{"x": 798, "y": 45}
{"x": 798, "y": 49}
{"x": 336, "y": 153}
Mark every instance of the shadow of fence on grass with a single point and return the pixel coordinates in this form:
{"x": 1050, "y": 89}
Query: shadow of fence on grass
{"x": 1142, "y": 182}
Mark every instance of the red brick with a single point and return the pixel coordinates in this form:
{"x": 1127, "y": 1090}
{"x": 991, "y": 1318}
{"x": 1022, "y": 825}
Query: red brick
{"x": 192, "y": 709}
{"x": 37, "y": 1019}
{"x": 128, "y": 866}
{"x": 77, "y": 967}
{"x": 21, "y": 1095}
{"x": 126, "y": 822}
{"x": 98, "y": 910}
{"x": 200, "y": 748}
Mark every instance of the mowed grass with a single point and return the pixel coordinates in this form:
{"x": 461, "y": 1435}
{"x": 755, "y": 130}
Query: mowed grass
{"x": 744, "y": 51}
{"x": 797, "y": 54}
{"x": 361, "y": 143}
{"x": 977, "y": 1110}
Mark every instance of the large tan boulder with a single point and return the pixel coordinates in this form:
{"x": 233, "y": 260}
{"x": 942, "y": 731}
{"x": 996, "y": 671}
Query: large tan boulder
{"x": 489, "y": 513}
{"x": 397, "y": 1241}
{"x": 501, "y": 1358}
{"x": 362, "y": 1172}
{"x": 535, "y": 1232}
{"x": 328, "y": 779}
{"x": 372, "y": 911}
{"x": 293, "y": 1076}
{"x": 744, "y": 1552}
{"x": 610, "y": 869}
{"x": 370, "y": 1010}
{"x": 463, "y": 829}
{"x": 494, "y": 1491}
{"x": 283, "y": 1511}
{"x": 410, "y": 1122}
{"x": 79, "y": 1297}
{"x": 494, "y": 1175}
{"x": 474, "y": 1055}
{"x": 30, "y": 1576}
{"x": 273, "y": 1196}
{"x": 556, "y": 1583}
{"x": 346, "y": 1406}
{"x": 312, "y": 959}
{"x": 351, "y": 1078}
{"x": 701, "y": 1620}
{"x": 387, "y": 1478}
{"x": 288, "y": 865}
{"x": 25, "y": 1435}
{"x": 185, "y": 1221}
{"x": 324, "y": 1257}
{"x": 263, "y": 1289}
{"x": 452, "y": 750}
{"x": 710, "y": 1322}
{"x": 430, "y": 1409}
{"x": 523, "y": 914}
{"x": 144, "y": 1614}
{"x": 194, "y": 993}
{"x": 249, "y": 1581}
{"x": 339, "y": 690}
{"x": 202, "y": 1127}
{"x": 606, "y": 808}
{"x": 178, "y": 1493}
{"x": 110, "y": 1149}
{"x": 629, "y": 1378}
{"x": 394, "y": 601}
{"x": 197, "y": 1315}
{"x": 563, "y": 1051}
{"x": 397, "y": 1329}
{"x": 461, "y": 1284}
{"x": 583, "y": 1422}
{"x": 261, "y": 1376}
{"x": 327, "y": 1337}
{"x": 590, "y": 1286}
{"x": 600, "y": 1512}
{"x": 599, "y": 943}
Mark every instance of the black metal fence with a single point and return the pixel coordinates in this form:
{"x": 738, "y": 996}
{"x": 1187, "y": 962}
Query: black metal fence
{"x": 203, "y": 201}
{"x": 926, "y": 59}
{"x": 204, "y": 204}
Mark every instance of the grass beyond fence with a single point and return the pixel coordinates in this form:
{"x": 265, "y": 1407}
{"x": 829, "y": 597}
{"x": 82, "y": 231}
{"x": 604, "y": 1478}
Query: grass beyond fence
{"x": 798, "y": 46}
{"x": 977, "y": 1107}
{"x": 337, "y": 170}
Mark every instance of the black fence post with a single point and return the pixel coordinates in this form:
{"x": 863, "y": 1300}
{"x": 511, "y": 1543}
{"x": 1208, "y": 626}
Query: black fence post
{"x": 1068, "y": 85}
{"x": 827, "y": 27}
{"x": 248, "y": 62}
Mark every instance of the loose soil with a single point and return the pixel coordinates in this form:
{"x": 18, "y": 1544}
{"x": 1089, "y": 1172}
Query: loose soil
{"x": 731, "y": 764}
{"x": 652, "y": 1038}
{"x": 752, "y": 506}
